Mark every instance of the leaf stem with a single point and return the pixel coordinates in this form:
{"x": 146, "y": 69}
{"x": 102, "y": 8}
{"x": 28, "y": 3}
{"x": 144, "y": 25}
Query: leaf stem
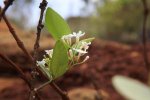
{"x": 43, "y": 85}
{"x": 63, "y": 94}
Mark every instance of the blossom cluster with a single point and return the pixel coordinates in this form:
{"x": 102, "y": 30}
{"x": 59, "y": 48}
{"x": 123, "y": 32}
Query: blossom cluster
{"x": 76, "y": 49}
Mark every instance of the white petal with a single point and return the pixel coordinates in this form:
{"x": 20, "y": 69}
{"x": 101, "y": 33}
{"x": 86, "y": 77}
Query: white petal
{"x": 86, "y": 58}
{"x": 80, "y": 51}
{"x": 70, "y": 53}
{"x": 49, "y": 52}
{"x": 41, "y": 63}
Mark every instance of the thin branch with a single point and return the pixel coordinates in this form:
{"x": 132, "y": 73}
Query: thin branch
{"x": 19, "y": 42}
{"x": 144, "y": 39}
{"x": 42, "y": 6}
{"x": 17, "y": 68}
{"x": 21, "y": 73}
{"x": 12, "y": 31}
{"x": 63, "y": 94}
{"x": 7, "y": 4}
{"x": 41, "y": 86}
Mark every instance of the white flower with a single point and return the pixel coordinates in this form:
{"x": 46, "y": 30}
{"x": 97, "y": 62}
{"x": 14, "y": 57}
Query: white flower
{"x": 78, "y": 35}
{"x": 67, "y": 39}
{"x": 44, "y": 68}
{"x": 41, "y": 63}
{"x": 85, "y": 45}
{"x": 49, "y": 52}
{"x": 80, "y": 51}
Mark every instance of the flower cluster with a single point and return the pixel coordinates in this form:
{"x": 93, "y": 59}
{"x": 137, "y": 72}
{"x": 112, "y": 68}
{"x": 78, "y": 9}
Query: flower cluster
{"x": 76, "y": 49}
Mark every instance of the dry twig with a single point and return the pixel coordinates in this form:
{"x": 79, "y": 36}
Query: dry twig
{"x": 42, "y": 6}
{"x": 7, "y": 4}
{"x": 19, "y": 42}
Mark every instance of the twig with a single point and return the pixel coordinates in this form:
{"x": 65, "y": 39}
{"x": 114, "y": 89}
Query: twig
{"x": 21, "y": 73}
{"x": 63, "y": 94}
{"x": 42, "y": 6}
{"x": 43, "y": 85}
{"x": 18, "y": 69}
{"x": 12, "y": 31}
{"x": 7, "y": 4}
{"x": 19, "y": 42}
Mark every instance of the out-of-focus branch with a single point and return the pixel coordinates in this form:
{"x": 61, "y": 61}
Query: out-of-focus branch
{"x": 17, "y": 68}
{"x": 63, "y": 94}
{"x": 21, "y": 73}
{"x": 144, "y": 37}
{"x": 12, "y": 31}
{"x": 19, "y": 42}
{"x": 7, "y": 4}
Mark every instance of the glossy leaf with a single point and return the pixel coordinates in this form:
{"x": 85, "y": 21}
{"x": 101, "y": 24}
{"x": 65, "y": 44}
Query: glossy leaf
{"x": 131, "y": 89}
{"x": 55, "y": 24}
{"x": 59, "y": 63}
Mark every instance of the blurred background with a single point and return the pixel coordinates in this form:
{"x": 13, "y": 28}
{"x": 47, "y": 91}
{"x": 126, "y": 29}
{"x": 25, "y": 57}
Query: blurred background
{"x": 119, "y": 20}
{"x": 117, "y": 49}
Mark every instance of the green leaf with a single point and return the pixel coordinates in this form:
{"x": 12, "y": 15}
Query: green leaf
{"x": 55, "y": 24}
{"x": 59, "y": 63}
{"x": 131, "y": 89}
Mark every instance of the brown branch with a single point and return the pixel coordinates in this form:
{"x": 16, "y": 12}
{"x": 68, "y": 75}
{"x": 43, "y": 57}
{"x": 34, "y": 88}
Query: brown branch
{"x": 144, "y": 39}
{"x": 21, "y": 74}
{"x": 19, "y": 42}
{"x": 7, "y": 4}
{"x": 42, "y": 6}
{"x": 12, "y": 31}
{"x": 17, "y": 68}
{"x": 63, "y": 94}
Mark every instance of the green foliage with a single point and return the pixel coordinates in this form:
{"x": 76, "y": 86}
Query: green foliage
{"x": 131, "y": 89}
{"x": 55, "y": 24}
{"x": 59, "y": 63}
{"x": 119, "y": 19}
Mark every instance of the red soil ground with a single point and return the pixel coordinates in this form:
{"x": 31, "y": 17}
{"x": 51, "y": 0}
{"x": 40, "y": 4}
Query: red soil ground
{"x": 106, "y": 60}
